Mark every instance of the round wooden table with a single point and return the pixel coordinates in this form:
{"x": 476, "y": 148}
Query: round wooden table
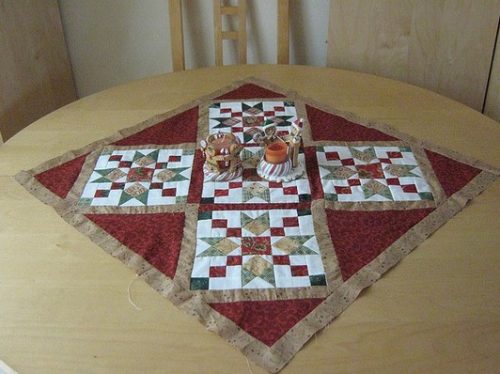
{"x": 64, "y": 302}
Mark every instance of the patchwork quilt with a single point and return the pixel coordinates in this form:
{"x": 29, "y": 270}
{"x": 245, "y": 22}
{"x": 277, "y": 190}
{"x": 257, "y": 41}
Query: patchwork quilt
{"x": 263, "y": 264}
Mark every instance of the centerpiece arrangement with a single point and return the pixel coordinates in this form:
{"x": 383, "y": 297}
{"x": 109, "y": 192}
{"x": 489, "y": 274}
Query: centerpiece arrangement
{"x": 280, "y": 162}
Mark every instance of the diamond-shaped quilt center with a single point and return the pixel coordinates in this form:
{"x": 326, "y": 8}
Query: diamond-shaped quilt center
{"x": 250, "y": 188}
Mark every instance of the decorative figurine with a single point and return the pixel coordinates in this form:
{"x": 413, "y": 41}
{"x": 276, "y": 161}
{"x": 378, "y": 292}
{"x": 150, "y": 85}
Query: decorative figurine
{"x": 294, "y": 142}
{"x": 222, "y": 157}
{"x": 280, "y": 162}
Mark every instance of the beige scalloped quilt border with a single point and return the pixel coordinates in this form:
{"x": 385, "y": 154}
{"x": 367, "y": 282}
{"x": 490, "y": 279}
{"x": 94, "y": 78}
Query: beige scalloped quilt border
{"x": 276, "y": 357}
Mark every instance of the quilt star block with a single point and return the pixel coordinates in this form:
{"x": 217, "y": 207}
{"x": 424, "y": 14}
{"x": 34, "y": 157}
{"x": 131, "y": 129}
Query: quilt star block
{"x": 257, "y": 258}
{"x": 265, "y": 265}
{"x": 239, "y": 117}
{"x": 372, "y": 173}
{"x": 138, "y": 177}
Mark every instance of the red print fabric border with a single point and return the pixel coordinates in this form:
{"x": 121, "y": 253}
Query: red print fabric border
{"x": 263, "y": 264}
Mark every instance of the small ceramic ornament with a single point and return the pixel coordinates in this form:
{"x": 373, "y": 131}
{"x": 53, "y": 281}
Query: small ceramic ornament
{"x": 294, "y": 139}
{"x": 222, "y": 157}
{"x": 280, "y": 162}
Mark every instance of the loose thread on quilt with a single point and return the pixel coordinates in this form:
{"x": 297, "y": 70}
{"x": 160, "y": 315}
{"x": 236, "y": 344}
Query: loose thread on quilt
{"x": 129, "y": 294}
{"x": 249, "y": 367}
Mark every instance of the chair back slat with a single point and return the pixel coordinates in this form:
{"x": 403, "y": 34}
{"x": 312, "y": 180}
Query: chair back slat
{"x": 176, "y": 34}
{"x": 242, "y": 31}
{"x": 283, "y": 34}
{"x": 218, "y": 32}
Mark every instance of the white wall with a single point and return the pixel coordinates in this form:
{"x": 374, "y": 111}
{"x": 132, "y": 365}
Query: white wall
{"x": 114, "y": 41}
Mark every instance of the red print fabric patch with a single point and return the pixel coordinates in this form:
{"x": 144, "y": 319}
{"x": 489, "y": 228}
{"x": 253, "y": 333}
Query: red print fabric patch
{"x": 145, "y": 234}
{"x": 328, "y": 126}
{"x": 264, "y": 264}
{"x": 267, "y": 320}
{"x": 180, "y": 128}
{"x": 61, "y": 178}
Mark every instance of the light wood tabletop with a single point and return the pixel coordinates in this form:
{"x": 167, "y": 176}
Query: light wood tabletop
{"x": 64, "y": 304}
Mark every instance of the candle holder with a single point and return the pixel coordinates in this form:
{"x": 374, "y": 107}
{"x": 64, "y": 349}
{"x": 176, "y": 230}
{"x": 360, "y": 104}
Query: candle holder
{"x": 280, "y": 162}
{"x": 222, "y": 157}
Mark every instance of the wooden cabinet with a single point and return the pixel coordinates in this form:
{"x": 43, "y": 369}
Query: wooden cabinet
{"x": 443, "y": 45}
{"x": 35, "y": 72}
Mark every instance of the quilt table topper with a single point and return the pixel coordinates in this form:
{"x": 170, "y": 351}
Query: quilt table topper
{"x": 263, "y": 264}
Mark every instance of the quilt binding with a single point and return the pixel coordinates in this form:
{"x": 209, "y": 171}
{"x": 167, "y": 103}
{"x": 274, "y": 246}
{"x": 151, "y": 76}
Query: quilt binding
{"x": 276, "y": 357}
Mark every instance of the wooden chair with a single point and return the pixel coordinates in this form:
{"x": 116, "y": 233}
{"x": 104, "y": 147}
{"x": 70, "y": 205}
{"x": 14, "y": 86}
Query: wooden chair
{"x": 240, "y": 35}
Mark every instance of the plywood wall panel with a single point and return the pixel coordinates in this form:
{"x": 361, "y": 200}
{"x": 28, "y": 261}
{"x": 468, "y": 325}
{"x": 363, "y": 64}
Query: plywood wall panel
{"x": 370, "y": 36}
{"x": 465, "y": 37}
{"x": 442, "y": 45}
{"x": 35, "y": 73}
{"x": 424, "y": 44}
